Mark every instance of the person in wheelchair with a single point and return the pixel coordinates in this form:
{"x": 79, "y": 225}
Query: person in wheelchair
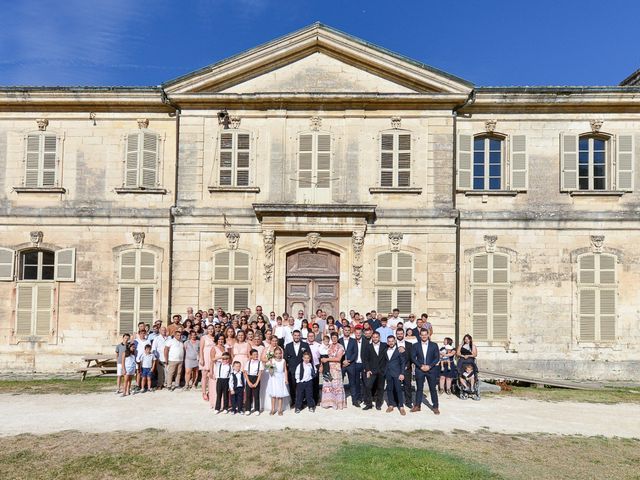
{"x": 468, "y": 369}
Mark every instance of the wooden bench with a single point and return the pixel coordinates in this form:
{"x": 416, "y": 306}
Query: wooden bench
{"x": 99, "y": 364}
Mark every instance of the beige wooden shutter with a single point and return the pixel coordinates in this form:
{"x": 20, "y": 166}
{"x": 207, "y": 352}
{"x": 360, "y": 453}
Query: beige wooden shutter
{"x": 480, "y": 269}
{"x": 569, "y": 162}
{"x": 480, "y": 312}
{"x": 146, "y": 303}
{"x": 386, "y": 160}
{"x": 241, "y": 266}
{"x": 404, "y": 297}
{"x": 404, "y": 267}
{"x": 24, "y": 308}
{"x": 519, "y": 163}
{"x": 607, "y": 270}
{"x": 44, "y": 302}
{"x": 49, "y": 160}
{"x": 242, "y": 159}
{"x": 323, "y": 158}
{"x": 128, "y": 266}
{"x": 226, "y": 159}
{"x": 65, "y": 268}
{"x": 500, "y": 313}
{"x": 132, "y": 161}
{"x": 32, "y": 161}
{"x": 147, "y": 266}
{"x": 587, "y": 314}
{"x": 240, "y": 298}
{"x": 305, "y": 161}
{"x": 404, "y": 160}
{"x": 126, "y": 310}
{"x": 607, "y": 314}
{"x": 384, "y": 300}
{"x": 500, "y": 271}
{"x": 221, "y": 298}
{"x": 587, "y": 269}
{"x": 7, "y": 264}
{"x": 385, "y": 267}
{"x": 221, "y": 266}
{"x": 465, "y": 161}
{"x": 625, "y": 163}
{"x": 150, "y": 150}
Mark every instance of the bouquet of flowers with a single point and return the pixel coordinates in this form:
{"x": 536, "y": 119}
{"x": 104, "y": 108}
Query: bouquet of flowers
{"x": 270, "y": 366}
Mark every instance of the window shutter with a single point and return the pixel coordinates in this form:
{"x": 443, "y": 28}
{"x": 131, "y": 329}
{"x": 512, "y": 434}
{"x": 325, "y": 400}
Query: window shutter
{"x": 625, "y": 163}
{"x": 221, "y": 298}
{"x": 24, "y": 310}
{"x": 386, "y": 160}
{"x": 7, "y": 264}
{"x": 587, "y": 269}
{"x": 150, "y": 143}
{"x": 241, "y": 267}
{"x": 65, "y": 260}
{"x": 146, "y": 303}
{"x": 226, "y": 159}
{"x": 384, "y": 300}
{"x": 404, "y": 301}
{"x": 49, "y": 160}
{"x": 500, "y": 313}
{"x": 240, "y": 298}
{"x": 587, "y": 306}
{"x": 242, "y": 160}
{"x": 385, "y": 268}
{"x": 481, "y": 269}
{"x": 500, "y": 268}
{"x": 519, "y": 163}
{"x": 221, "y": 266}
{"x": 480, "y": 312}
{"x": 305, "y": 161}
{"x": 147, "y": 265}
{"x": 465, "y": 154}
{"x": 404, "y": 268}
{"x": 607, "y": 269}
{"x": 44, "y": 302}
{"x": 323, "y": 168}
{"x": 128, "y": 266}
{"x": 607, "y": 314}
{"x": 569, "y": 159}
{"x": 404, "y": 160}
{"x": 32, "y": 161}
{"x": 127, "y": 309}
{"x": 131, "y": 164}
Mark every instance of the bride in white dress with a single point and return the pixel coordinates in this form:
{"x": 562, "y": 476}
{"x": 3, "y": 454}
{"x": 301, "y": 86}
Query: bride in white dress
{"x": 277, "y": 387}
{"x": 268, "y": 357}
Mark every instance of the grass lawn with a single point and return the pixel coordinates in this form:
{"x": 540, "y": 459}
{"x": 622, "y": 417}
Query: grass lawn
{"x": 606, "y": 395}
{"x": 57, "y": 385}
{"x": 370, "y": 455}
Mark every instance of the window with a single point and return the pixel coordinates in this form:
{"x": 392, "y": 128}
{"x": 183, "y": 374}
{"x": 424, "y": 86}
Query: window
{"x": 234, "y": 155}
{"x": 37, "y": 265}
{"x": 394, "y": 282}
{"x": 597, "y": 297}
{"x": 41, "y": 160}
{"x": 395, "y": 159}
{"x": 137, "y": 286}
{"x": 142, "y": 159}
{"x": 492, "y": 163}
{"x": 314, "y": 167}
{"x": 490, "y": 296}
{"x": 34, "y": 308}
{"x": 597, "y": 162}
{"x": 231, "y": 280}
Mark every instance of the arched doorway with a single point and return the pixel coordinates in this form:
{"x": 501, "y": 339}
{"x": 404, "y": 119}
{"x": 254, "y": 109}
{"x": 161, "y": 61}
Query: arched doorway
{"x": 313, "y": 282}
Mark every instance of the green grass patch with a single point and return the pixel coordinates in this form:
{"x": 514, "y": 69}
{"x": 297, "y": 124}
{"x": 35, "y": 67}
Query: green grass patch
{"x": 364, "y": 462}
{"x": 551, "y": 394}
{"x": 58, "y": 385}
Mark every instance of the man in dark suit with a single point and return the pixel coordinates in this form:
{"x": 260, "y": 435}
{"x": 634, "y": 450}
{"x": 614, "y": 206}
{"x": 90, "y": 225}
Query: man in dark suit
{"x": 406, "y": 348}
{"x": 293, "y": 356}
{"x": 394, "y": 375}
{"x": 349, "y": 362}
{"x": 358, "y": 366}
{"x": 375, "y": 363}
{"x": 426, "y": 357}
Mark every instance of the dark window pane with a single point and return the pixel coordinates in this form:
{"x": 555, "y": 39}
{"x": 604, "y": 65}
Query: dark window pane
{"x": 598, "y": 183}
{"x": 583, "y": 157}
{"x": 30, "y": 258}
{"x": 584, "y": 144}
{"x": 598, "y": 170}
{"x": 494, "y": 170}
{"x": 478, "y": 183}
{"x": 478, "y": 171}
{"x": 495, "y": 144}
{"x": 48, "y": 258}
{"x": 584, "y": 184}
{"x": 30, "y": 273}
{"x": 478, "y": 157}
{"x": 494, "y": 157}
{"x": 478, "y": 144}
{"x": 598, "y": 157}
{"x": 47, "y": 272}
{"x": 494, "y": 184}
{"x": 598, "y": 144}
{"x": 583, "y": 170}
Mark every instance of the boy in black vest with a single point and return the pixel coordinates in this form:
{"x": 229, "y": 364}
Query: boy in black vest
{"x": 252, "y": 372}
{"x": 305, "y": 373}
{"x": 236, "y": 389}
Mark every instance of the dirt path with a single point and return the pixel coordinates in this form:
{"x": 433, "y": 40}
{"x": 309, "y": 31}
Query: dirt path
{"x": 186, "y": 411}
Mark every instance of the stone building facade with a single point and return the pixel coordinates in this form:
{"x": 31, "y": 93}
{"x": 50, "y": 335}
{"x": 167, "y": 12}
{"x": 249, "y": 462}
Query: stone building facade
{"x": 319, "y": 171}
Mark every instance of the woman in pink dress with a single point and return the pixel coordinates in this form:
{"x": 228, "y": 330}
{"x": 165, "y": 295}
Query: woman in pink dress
{"x": 333, "y": 395}
{"x": 215, "y": 357}
{"x": 206, "y": 344}
{"x": 241, "y": 349}
{"x": 230, "y": 340}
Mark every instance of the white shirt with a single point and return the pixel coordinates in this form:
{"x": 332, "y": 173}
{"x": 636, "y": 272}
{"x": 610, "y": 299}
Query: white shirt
{"x": 239, "y": 379}
{"x": 393, "y": 322}
{"x": 359, "y": 343}
{"x": 409, "y": 325}
{"x": 400, "y": 343}
{"x": 158, "y": 347}
{"x": 296, "y": 347}
{"x": 288, "y": 337}
{"x": 390, "y": 352}
{"x": 425, "y": 347}
{"x": 176, "y": 350}
{"x": 253, "y": 367}
{"x": 223, "y": 370}
{"x": 297, "y": 324}
{"x": 306, "y": 376}
{"x": 315, "y": 352}
{"x": 146, "y": 359}
{"x": 345, "y": 340}
{"x": 376, "y": 348}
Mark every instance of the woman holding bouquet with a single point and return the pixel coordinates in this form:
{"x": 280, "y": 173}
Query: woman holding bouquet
{"x": 267, "y": 357}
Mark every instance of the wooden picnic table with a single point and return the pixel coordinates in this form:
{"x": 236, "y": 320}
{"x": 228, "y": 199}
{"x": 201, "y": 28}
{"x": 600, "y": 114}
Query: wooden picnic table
{"x": 100, "y": 364}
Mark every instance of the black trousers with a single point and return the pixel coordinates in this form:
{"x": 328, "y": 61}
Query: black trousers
{"x": 316, "y": 387}
{"x": 408, "y": 396}
{"x": 253, "y": 395}
{"x": 237, "y": 399}
{"x": 304, "y": 392}
{"x": 292, "y": 384}
{"x": 374, "y": 389}
{"x": 222, "y": 393}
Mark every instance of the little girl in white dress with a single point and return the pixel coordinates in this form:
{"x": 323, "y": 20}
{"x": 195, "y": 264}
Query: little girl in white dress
{"x": 277, "y": 388}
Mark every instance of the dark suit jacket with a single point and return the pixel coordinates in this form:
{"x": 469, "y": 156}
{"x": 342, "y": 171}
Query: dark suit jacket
{"x": 396, "y": 364}
{"x": 372, "y": 362}
{"x": 433, "y": 357}
{"x": 408, "y": 354}
{"x": 290, "y": 356}
{"x": 351, "y": 352}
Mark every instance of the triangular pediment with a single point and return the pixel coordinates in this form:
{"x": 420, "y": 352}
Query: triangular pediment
{"x": 318, "y": 59}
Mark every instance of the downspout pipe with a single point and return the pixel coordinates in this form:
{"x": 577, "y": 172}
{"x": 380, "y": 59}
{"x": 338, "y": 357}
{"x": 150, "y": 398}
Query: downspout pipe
{"x": 454, "y": 185}
{"x": 167, "y": 101}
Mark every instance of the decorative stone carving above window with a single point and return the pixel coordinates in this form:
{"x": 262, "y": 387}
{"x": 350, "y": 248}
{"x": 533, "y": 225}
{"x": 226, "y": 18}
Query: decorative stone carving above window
{"x": 143, "y": 123}
{"x": 490, "y": 126}
{"x": 315, "y": 123}
{"x": 597, "y": 241}
{"x": 596, "y": 125}
{"x": 313, "y": 239}
{"x": 396, "y": 122}
{"x": 43, "y": 123}
{"x": 138, "y": 238}
{"x": 36, "y": 237}
{"x": 268, "y": 237}
{"x": 490, "y": 243}
{"x": 235, "y": 121}
{"x": 233, "y": 238}
{"x": 357, "y": 239}
{"x": 394, "y": 241}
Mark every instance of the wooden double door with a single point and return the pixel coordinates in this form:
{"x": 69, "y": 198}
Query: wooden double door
{"x": 313, "y": 282}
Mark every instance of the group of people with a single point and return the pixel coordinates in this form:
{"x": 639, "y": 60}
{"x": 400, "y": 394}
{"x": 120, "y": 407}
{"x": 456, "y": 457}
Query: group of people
{"x": 248, "y": 363}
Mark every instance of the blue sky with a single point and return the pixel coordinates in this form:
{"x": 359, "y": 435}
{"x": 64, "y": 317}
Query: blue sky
{"x": 147, "y": 42}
